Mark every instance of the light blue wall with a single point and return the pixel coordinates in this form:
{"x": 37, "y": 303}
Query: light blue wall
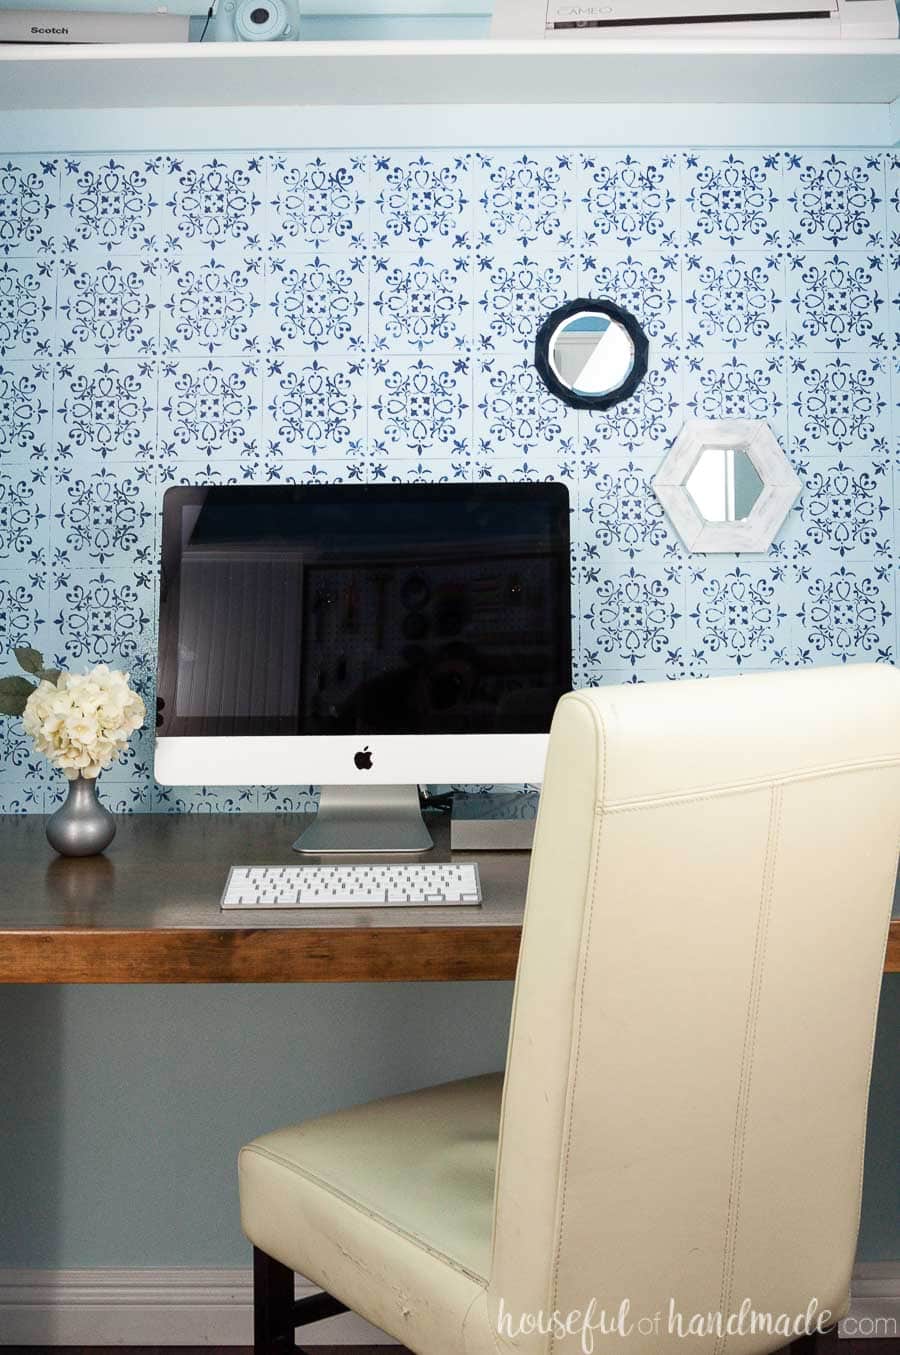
{"x": 124, "y": 1107}
{"x": 128, "y": 1104}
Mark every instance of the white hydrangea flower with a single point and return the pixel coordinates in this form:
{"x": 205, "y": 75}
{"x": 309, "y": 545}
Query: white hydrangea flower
{"x": 83, "y": 722}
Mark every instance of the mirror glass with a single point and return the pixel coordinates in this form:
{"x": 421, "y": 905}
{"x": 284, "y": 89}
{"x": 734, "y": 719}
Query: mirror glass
{"x": 591, "y": 354}
{"x": 724, "y": 484}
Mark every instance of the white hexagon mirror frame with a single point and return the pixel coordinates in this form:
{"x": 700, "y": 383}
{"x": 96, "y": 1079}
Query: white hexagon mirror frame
{"x": 758, "y": 530}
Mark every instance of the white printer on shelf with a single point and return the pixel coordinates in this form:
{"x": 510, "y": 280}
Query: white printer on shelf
{"x": 851, "y": 20}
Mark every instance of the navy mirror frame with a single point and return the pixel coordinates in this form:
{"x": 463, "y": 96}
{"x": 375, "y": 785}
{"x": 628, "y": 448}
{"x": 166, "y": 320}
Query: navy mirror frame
{"x": 579, "y": 307}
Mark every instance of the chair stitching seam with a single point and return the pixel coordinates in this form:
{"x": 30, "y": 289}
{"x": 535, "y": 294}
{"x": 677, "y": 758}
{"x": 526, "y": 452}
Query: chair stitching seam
{"x": 742, "y": 1112}
{"x": 510, "y": 1041}
{"x": 737, "y": 787}
{"x": 373, "y": 1214}
{"x": 603, "y": 742}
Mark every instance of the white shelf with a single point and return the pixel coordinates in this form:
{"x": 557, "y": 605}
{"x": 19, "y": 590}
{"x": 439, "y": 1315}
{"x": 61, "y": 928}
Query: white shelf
{"x": 323, "y": 74}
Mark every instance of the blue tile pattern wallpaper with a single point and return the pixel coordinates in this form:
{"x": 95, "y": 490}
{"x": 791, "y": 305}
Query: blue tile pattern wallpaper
{"x": 293, "y": 316}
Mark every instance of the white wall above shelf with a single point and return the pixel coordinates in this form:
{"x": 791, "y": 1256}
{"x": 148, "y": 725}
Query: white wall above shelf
{"x": 323, "y": 74}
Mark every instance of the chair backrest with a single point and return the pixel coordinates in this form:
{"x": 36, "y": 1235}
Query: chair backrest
{"x": 684, "y": 1109}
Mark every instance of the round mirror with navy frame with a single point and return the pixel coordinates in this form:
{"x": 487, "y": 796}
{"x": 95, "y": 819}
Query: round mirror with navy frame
{"x": 617, "y": 314}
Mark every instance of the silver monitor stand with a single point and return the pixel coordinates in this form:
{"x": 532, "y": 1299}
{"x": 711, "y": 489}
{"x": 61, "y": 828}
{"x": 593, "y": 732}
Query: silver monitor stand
{"x": 374, "y": 820}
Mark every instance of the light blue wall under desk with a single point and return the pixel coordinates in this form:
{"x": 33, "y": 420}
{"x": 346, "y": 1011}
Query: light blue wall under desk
{"x": 124, "y": 1107}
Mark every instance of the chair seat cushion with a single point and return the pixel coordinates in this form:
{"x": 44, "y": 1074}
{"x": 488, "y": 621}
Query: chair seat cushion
{"x": 421, "y": 1165}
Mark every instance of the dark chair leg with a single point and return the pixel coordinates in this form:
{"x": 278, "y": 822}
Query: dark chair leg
{"x": 273, "y": 1306}
{"x": 275, "y": 1311}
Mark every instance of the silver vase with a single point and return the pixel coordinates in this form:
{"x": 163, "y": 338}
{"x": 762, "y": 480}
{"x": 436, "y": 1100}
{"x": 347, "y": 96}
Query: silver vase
{"x": 82, "y": 826}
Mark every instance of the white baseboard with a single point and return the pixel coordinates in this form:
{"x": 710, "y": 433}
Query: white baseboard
{"x": 186, "y": 1307}
{"x": 213, "y": 1307}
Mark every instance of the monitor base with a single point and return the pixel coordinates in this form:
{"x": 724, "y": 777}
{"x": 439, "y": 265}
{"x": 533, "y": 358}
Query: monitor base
{"x": 370, "y": 820}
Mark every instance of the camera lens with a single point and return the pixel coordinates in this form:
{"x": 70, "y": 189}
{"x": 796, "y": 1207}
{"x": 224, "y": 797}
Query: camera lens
{"x": 261, "y": 20}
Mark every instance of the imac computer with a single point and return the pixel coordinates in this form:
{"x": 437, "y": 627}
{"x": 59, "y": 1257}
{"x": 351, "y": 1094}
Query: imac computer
{"x": 367, "y": 638}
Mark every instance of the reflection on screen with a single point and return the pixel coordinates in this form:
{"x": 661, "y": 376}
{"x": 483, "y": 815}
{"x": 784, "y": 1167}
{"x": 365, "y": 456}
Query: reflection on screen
{"x": 348, "y": 610}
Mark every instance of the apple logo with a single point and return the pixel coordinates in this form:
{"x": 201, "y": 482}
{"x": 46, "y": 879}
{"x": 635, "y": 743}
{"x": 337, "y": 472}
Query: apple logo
{"x": 363, "y": 760}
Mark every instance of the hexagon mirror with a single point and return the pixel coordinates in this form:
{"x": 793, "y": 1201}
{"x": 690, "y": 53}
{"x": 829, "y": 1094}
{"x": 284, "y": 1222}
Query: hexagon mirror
{"x": 726, "y": 485}
{"x": 591, "y": 354}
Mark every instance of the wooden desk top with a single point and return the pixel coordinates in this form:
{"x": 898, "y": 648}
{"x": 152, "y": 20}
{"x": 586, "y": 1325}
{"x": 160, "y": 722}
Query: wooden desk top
{"x": 148, "y": 912}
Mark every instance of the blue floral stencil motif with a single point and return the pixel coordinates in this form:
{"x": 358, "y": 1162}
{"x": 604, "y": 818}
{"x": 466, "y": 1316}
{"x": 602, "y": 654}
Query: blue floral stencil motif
{"x": 231, "y": 473}
{"x": 836, "y": 200}
{"x": 315, "y": 407}
{"x": 421, "y": 200}
{"x": 517, "y": 409}
{"x": 624, "y": 513}
{"x": 837, "y": 301}
{"x": 737, "y": 390}
{"x": 23, "y": 307}
{"x": 420, "y": 405}
{"x": 844, "y": 510}
{"x": 202, "y": 800}
{"x": 738, "y": 616}
{"x": 845, "y": 617}
{"x": 839, "y": 404}
{"x": 634, "y": 616}
{"x": 416, "y": 472}
{"x": 288, "y": 799}
{"x": 102, "y": 619}
{"x": 20, "y": 605}
{"x": 17, "y": 753}
{"x": 642, "y": 286}
{"x": 629, "y": 199}
{"x": 732, "y": 200}
{"x": 734, "y": 299}
{"x": 420, "y": 304}
{"x": 25, "y": 205}
{"x": 103, "y": 517}
{"x": 211, "y": 405}
{"x": 108, "y": 306}
{"x": 20, "y": 517}
{"x": 110, "y": 204}
{"x": 524, "y": 199}
{"x": 645, "y": 418}
{"x": 104, "y": 410}
{"x": 316, "y": 303}
{"x": 211, "y": 306}
{"x": 23, "y": 390}
{"x": 518, "y": 297}
{"x": 510, "y": 470}
{"x": 318, "y": 201}
{"x": 214, "y": 202}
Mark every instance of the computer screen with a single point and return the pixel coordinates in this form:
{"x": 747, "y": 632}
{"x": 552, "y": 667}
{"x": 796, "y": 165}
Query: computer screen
{"x": 330, "y": 610}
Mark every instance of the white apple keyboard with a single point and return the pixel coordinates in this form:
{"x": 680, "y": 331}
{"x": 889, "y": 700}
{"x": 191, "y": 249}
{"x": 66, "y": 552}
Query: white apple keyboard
{"x": 358, "y": 886}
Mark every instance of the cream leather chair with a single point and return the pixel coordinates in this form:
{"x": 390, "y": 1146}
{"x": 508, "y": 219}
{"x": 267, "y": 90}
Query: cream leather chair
{"x": 683, "y": 1114}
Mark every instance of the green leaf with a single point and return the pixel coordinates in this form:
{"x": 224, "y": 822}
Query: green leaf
{"x": 14, "y": 692}
{"x": 29, "y": 660}
{"x": 49, "y": 674}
